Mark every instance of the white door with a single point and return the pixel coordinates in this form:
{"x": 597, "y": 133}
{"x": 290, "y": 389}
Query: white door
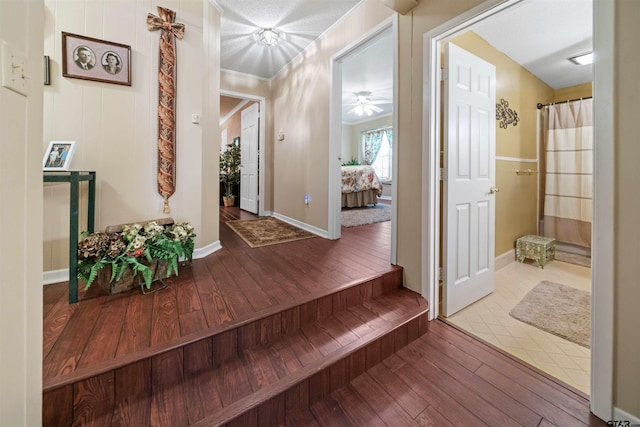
{"x": 249, "y": 159}
{"x": 469, "y": 187}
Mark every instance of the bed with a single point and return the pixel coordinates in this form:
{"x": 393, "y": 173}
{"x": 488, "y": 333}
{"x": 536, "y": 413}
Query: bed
{"x": 360, "y": 186}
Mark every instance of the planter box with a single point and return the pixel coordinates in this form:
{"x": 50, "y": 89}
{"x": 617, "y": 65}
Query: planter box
{"x": 128, "y": 281}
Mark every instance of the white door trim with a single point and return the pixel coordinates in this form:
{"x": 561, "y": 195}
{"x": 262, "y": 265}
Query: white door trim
{"x": 335, "y": 131}
{"x": 261, "y": 141}
{"x": 603, "y": 272}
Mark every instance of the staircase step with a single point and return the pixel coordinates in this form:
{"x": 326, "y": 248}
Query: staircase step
{"x": 327, "y": 356}
{"x": 258, "y": 369}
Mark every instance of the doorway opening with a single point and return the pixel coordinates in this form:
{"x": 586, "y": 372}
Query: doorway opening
{"x": 363, "y": 124}
{"x": 432, "y": 156}
{"x": 236, "y": 109}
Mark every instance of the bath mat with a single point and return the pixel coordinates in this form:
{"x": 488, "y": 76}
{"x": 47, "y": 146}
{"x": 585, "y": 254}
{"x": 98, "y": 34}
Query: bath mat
{"x": 558, "y": 309}
{"x": 352, "y": 217}
{"x": 267, "y": 231}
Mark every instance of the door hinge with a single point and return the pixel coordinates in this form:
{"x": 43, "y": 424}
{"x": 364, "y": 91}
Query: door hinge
{"x": 441, "y": 274}
{"x": 444, "y": 74}
{"x": 442, "y": 174}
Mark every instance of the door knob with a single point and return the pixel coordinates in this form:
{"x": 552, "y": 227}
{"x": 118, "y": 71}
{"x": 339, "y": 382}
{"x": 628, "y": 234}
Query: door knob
{"x": 493, "y": 190}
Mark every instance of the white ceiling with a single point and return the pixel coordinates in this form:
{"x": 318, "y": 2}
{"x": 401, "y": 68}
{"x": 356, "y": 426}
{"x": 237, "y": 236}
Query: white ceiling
{"x": 538, "y": 34}
{"x": 300, "y": 21}
{"x": 541, "y": 35}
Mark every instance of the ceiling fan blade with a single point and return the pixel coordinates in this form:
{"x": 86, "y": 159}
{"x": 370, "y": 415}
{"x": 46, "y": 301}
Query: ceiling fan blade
{"x": 376, "y": 109}
{"x": 352, "y": 110}
{"x": 382, "y": 101}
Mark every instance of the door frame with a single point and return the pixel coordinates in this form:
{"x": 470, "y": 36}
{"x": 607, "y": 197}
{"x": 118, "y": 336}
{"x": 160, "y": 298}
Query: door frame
{"x": 601, "y": 400}
{"x": 261, "y": 141}
{"x": 335, "y": 130}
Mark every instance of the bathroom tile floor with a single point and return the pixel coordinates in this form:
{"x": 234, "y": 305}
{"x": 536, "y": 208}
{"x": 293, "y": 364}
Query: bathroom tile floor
{"x": 489, "y": 319}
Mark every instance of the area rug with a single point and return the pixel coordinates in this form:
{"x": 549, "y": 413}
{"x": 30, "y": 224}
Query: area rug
{"x": 267, "y": 231}
{"x": 352, "y": 217}
{"x": 572, "y": 258}
{"x": 558, "y": 309}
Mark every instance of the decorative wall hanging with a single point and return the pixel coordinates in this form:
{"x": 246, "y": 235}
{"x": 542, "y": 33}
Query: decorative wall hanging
{"x": 167, "y": 92}
{"x": 505, "y": 115}
{"x": 92, "y": 59}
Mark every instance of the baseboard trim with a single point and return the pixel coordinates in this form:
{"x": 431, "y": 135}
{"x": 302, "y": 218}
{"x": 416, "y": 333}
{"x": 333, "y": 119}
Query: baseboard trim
{"x": 620, "y": 415}
{"x": 505, "y": 259}
{"x": 310, "y": 228}
{"x": 207, "y": 250}
{"x": 55, "y": 276}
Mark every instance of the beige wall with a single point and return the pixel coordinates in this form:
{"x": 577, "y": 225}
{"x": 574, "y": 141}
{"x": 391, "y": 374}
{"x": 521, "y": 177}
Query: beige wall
{"x": 573, "y": 92}
{"x": 233, "y": 123}
{"x": 116, "y": 126}
{"x": 351, "y": 136}
{"x": 516, "y": 203}
{"x": 250, "y": 85}
{"x": 21, "y": 219}
{"x": 627, "y": 181}
{"x": 301, "y": 102}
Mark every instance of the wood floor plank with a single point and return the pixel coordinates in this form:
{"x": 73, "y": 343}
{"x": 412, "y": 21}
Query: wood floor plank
{"x": 232, "y": 382}
{"x": 94, "y": 400}
{"x": 136, "y": 328}
{"x": 133, "y": 395}
{"x": 201, "y": 395}
{"x": 165, "y": 324}
{"x": 328, "y": 413}
{"x": 56, "y": 319}
{"x": 386, "y": 407}
{"x": 408, "y": 399}
{"x": 357, "y": 410}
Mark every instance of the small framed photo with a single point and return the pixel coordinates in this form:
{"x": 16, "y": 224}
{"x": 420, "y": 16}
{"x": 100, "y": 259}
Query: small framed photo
{"x": 236, "y": 141}
{"x": 92, "y": 59}
{"x": 58, "y": 156}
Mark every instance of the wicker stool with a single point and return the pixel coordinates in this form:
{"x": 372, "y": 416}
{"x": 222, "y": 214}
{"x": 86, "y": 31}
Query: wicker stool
{"x": 541, "y": 249}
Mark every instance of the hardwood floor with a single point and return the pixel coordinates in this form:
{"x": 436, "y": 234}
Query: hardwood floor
{"x": 313, "y": 332}
{"x": 448, "y": 378}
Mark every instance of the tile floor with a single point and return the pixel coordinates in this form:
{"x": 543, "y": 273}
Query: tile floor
{"x": 489, "y": 319}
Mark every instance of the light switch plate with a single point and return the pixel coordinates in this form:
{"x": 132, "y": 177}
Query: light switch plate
{"x": 13, "y": 67}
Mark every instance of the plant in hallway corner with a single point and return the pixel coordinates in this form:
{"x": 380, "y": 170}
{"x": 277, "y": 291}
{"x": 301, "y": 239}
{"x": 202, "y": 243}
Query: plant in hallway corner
{"x": 230, "y": 168}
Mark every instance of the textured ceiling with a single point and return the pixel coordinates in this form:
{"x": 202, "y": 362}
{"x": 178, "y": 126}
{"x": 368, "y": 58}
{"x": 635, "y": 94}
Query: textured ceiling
{"x": 541, "y": 34}
{"x": 300, "y": 21}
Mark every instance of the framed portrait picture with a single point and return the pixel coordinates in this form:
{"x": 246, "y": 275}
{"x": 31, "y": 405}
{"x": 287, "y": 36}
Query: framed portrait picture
{"x": 58, "y": 156}
{"x": 92, "y": 59}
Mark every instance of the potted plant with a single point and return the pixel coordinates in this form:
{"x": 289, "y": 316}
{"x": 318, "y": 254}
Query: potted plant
{"x": 230, "y": 171}
{"x": 152, "y": 249}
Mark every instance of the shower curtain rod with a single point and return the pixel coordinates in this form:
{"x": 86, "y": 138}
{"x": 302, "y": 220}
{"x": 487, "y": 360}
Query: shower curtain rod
{"x": 560, "y": 102}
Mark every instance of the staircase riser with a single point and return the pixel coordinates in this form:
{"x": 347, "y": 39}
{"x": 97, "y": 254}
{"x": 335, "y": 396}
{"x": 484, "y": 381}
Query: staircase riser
{"x": 73, "y": 402}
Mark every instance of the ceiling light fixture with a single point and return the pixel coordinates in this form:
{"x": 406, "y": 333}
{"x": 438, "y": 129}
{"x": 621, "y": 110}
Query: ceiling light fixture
{"x": 363, "y": 100}
{"x": 268, "y": 37}
{"x": 584, "y": 59}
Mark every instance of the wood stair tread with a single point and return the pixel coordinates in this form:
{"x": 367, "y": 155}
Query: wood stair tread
{"x": 401, "y": 306}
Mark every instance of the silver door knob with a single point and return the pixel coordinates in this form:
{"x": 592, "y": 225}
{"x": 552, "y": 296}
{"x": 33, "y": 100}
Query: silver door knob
{"x": 493, "y": 190}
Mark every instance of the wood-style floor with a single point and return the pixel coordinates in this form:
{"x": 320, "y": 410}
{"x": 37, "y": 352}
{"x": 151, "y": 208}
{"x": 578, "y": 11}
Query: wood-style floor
{"x": 448, "y": 378}
{"x": 442, "y": 378}
{"x": 229, "y": 287}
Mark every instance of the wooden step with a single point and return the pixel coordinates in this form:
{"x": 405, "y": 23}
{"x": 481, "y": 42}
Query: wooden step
{"x": 119, "y": 389}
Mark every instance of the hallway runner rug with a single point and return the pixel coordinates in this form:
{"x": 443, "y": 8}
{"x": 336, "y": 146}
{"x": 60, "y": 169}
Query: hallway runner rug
{"x": 267, "y": 231}
{"x": 558, "y": 309}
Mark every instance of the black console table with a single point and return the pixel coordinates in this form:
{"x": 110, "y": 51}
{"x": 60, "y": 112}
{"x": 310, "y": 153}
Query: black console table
{"x": 74, "y": 178}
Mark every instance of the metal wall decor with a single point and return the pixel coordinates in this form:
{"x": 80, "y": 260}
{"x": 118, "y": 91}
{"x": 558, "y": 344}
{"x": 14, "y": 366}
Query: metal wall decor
{"x": 505, "y": 115}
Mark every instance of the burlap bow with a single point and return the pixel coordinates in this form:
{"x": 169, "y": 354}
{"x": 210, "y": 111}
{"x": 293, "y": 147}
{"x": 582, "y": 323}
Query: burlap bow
{"x": 166, "y": 99}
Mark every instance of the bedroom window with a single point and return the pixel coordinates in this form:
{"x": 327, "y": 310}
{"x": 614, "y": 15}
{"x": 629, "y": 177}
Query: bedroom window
{"x": 377, "y": 148}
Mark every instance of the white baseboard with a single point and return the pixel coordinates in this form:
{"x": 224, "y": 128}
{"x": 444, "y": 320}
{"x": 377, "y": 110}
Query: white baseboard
{"x": 620, "y": 415}
{"x": 310, "y": 228}
{"x": 207, "y": 250}
{"x": 505, "y": 259}
{"x": 55, "y": 276}
{"x": 267, "y": 213}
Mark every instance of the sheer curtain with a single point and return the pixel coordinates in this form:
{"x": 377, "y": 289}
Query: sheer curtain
{"x": 567, "y": 171}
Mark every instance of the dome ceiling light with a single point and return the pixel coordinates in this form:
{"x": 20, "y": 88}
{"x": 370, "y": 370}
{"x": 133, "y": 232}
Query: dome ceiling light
{"x": 268, "y": 37}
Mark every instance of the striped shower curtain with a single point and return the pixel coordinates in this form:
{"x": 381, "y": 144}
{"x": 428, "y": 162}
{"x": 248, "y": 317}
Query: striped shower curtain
{"x": 567, "y": 166}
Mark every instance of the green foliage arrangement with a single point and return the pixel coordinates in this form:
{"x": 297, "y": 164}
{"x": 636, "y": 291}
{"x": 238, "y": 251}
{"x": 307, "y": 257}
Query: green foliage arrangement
{"x": 230, "y": 168}
{"x": 352, "y": 162}
{"x": 132, "y": 247}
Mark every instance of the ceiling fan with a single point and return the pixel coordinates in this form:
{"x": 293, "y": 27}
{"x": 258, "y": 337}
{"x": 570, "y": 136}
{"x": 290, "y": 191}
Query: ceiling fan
{"x": 364, "y": 104}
